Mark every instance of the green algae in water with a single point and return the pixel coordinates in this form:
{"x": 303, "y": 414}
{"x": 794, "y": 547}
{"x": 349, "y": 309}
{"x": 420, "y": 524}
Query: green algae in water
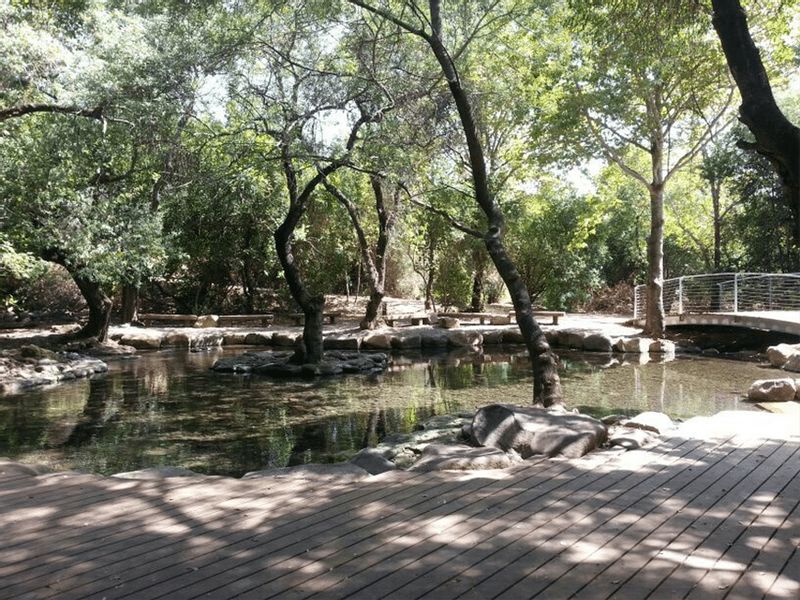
{"x": 168, "y": 409}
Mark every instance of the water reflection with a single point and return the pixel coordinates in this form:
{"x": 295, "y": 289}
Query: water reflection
{"x": 167, "y": 408}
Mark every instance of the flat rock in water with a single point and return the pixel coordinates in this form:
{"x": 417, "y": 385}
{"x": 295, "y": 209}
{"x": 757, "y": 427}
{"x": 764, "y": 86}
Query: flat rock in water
{"x": 772, "y": 390}
{"x": 439, "y": 457}
{"x": 657, "y": 422}
{"x": 598, "y": 342}
{"x": 345, "y": 472}
{"x": 373, "y": 461}
{"x": 529, "y": 430}
{"x": 779, "y": 355}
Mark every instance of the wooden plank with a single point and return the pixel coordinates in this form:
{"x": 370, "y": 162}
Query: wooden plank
{"x": 533, "y": 569}
{"x": 608, "y": 569}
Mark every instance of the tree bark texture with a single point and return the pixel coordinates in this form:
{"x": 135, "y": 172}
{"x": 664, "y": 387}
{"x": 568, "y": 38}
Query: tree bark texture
{"x": 130, "y": 303}
{"x": 654, "y": 325}
{"x": 776, "y": 137}
{"x": 546, "y": 382}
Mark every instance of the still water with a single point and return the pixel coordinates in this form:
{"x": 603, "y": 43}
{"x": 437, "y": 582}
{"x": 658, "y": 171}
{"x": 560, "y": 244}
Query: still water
{"x": 168, "y": 408}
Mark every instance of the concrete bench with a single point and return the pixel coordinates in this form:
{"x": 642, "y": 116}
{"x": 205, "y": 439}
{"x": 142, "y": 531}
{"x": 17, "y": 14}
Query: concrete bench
{"x": 484, "y": 318}
{"x": 414, "y": 318}
{"x": 264, "y": 319}
{"x": 150, "y": 318}
{"x": 299, "y": 318}
{"x": 554, "y": 314}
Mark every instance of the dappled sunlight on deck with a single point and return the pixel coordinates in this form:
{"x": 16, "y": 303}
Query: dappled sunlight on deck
{"x": 685, "y": 518}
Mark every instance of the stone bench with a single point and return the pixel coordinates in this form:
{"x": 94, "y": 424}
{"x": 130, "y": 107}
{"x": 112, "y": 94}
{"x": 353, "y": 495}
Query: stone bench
{"x": 299, "y": 318}
{"x": 150, "y": 318}
{"x": 264, "y": 319}
{"x": 555, "y": 314}
{"x": 414, "y": 318}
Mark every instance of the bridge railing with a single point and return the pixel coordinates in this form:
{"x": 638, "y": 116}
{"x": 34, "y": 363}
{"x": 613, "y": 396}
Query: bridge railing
{"x": 725, "y": 292}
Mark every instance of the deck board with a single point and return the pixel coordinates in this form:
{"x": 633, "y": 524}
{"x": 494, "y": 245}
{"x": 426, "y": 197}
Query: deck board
{"x": 712, "y": 518}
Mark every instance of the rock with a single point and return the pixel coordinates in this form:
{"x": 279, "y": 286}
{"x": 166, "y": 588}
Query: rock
{"x": 207, "y": 321}
{"x": 32, "y": 351}
{"x": 493, "y": 337}
{"x": 772, "y": 390}
{"x": 500, "y": 320}
{"x": 10, "y": 468}
{"x": 793, "y": 364}
{"x": 529, "y": 430}
{"x": 551, "y": 335}
{"x": 598, "y": 342}
{"x": 448, "y": 322}
{"x": 439, "y": 457}
{"x": 631, "y": 439}
{"x": 175, "y": 339}
{"x": 513, "y": 336}
{"x": 404, "y": 341}
{"x": 373, "y": 461}
{"x": 662, "y": 347}
{"x": 258, "y": 338}
{"x": 345, "y": 472}
{"x": 465, "y": 339}
{"x": 286, "y": 338}
{"x": 571, "y": 338}
{"x": 613, "y": 419}
{"x": 158, "y": 473}
{"x": 377, "y": 341}
{"x": 433, "y": 338}
{"x": 141, "y": 340}
{"x": 779, "y": 355}
{"x": 206, "y": 340}
{"x": 656, "y": 422}
{"x": 236, "y": 338}
{"x": 710, "y": 352}
{"x": 342, "y": 342}
{"x": 637, "y": 345}
{"x": 446, "y": 422}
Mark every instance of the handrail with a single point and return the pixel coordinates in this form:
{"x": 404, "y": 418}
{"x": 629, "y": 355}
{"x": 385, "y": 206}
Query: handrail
{"x": 725, "y": 292}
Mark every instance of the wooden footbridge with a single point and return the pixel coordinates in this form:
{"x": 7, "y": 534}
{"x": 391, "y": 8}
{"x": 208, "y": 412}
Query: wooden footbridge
{"x": 768, "y": 301}
{"x": 709, "y": 513}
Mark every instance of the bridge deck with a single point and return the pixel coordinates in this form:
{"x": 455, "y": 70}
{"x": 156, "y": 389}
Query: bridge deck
{"x": 688, "y": 518}
{"x": 783, "y": 321}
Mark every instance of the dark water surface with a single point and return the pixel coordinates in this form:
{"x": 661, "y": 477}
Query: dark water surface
{"x": 167, "y": 408}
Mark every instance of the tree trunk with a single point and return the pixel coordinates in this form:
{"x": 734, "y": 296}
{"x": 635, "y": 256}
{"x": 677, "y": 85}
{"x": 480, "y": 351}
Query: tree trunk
{"x": 310, "y": 347}
{"x": 654, "y": 322}
{"x": 99, "y": 308}
{"x": 372, "y": 313}
{"x": 715, "y": 200}
{"x": 476, "y": 304}
{"x": 130, "y": 303}
{"x": 776, "y": 137}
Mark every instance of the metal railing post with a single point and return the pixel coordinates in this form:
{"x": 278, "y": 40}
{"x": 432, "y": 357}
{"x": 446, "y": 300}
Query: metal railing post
{"x": 635, "y": 302}
{"x": 680, "y": 296}
{"x": 769, "y": 283}
{"x": 735, "y": 292}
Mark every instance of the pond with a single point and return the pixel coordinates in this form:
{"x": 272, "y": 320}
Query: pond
{"x": 168, "y": 408}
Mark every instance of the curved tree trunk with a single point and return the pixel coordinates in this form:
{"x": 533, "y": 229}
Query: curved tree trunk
{"x": 99, "y": 309}
{"x": 776, "y": 137}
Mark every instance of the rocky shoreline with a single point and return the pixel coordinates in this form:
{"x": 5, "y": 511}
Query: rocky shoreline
{"x": 497, "y": 436}
{"x": 31, "y": 366}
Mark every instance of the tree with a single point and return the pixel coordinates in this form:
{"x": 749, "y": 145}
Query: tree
{"x": 547, "y": 387}
{"x": 776, "y": 138}
{"x": 652, "y": 90}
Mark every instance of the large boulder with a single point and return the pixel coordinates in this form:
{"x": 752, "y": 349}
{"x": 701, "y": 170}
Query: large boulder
{"x": 772, "y": 390}
{"x": 377, "y": 341}
{"x": 286, "y": 338}
{"x": 662, "y": 347}
{"x": 779, "y": 355}
{"x": 235, "y": 338}
{"x": 441, "y": 457}
{"x": 175, "y": 339}
{"x": 448, "y": 322}
{"x": 342, "y": 342}
{"x": 141, "y": 340}
{"x": 257, "y": 338}
{"x": 529, "y": 430}
{"x": 635, "y": 345}
{"x": 793, "y": 364}
{"x": 373, "y": 461}
{"x": 433, "y": 338}
{"x": 493, "y": 337}
{"x": 206, "y": 340}
{"x": 407, "y": 341}
{"x": 514, "y": 336}
{"x": 571, "y": 338}
{"x": 465, "y": 339}
{"x": 657, "y": 422}
{"x": 598, "y": 342}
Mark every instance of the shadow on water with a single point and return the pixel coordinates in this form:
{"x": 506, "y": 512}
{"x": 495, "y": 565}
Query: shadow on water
{"x": 168, "y": 408}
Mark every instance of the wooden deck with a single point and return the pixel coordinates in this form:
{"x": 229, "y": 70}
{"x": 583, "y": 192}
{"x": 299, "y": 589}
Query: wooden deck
{"x": 686, "y": 519}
